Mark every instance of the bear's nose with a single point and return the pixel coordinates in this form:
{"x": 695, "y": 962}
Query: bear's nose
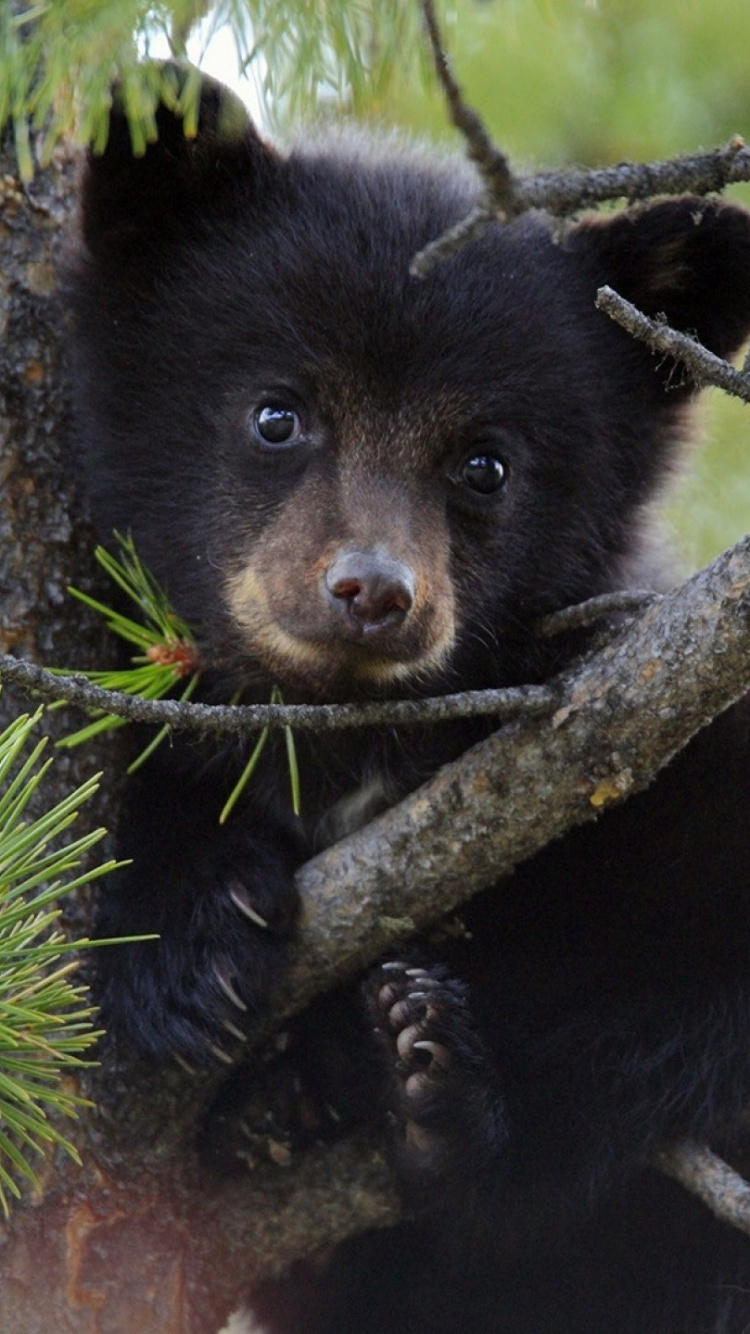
{"x": 374, "y": 590}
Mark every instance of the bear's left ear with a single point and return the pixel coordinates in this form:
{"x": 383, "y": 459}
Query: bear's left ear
{"x": 687, "y": 259}
{"x": 129, "y": 200}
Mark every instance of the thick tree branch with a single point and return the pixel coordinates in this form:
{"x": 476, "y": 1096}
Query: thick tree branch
{"x": 702, "y": 1172}
{"x": 625, "y": 710}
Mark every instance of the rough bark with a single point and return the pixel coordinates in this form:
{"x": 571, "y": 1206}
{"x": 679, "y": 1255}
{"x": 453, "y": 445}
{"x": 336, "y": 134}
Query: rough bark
{"x": 623, "y": 712}
{"x": 123, "y": 1244}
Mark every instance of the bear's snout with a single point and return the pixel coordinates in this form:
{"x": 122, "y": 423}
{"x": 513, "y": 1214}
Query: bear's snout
{"x": 371, "y": 591}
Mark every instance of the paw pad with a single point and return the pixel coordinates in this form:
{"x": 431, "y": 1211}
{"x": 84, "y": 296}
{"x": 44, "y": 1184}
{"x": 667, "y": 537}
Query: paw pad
{"x": 416, "y": 1011}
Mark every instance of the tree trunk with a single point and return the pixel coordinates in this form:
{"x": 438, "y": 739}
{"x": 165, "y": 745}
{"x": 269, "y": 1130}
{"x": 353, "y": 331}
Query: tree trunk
{"x": 138, "y": 1239}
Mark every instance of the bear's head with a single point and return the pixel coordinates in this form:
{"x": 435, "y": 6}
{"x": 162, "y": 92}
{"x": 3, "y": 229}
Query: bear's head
{"x": 350, "y": 480}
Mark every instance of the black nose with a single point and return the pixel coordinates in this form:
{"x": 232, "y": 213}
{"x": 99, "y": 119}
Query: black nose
{"x": 375, "y": 591}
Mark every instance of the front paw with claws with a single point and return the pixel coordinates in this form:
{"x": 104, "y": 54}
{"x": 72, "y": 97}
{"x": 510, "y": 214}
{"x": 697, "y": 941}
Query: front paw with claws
{"x": 440, "y": 1079}
{"x": 223, "y": 916}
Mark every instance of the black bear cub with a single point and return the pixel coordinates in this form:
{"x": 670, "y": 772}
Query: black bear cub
{"x": 358, "y": 485}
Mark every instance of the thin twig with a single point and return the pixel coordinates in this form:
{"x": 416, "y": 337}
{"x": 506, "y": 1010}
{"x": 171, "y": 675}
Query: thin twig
{"x": 239, "y": 719}
{"x": 704, "y": 366}
{"x": 491, "y": 162}
{"x": 451, "y": 241}
{"x": 587, "y": 613}
{"x": 702, "y": 1172}
{"x": 566, "y": 192}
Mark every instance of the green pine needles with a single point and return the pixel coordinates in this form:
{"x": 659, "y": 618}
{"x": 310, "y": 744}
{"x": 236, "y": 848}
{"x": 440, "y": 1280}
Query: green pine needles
{"x": 168, "y": 653}
{"x": 168, "y": 658}
{"x": 45, "y": 1017}
{"x": 59, "y": 58}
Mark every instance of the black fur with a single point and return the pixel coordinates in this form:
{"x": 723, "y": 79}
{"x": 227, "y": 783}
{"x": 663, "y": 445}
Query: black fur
{"x": 465, "y": 454}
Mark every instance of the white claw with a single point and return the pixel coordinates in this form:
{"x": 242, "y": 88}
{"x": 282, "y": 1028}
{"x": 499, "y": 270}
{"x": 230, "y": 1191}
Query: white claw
{"x": 439, "y": 1054}
{"x": 234, "y": 1030}
{"x": 418, "y": 1138}
{"x": 405, "y": 1041}
{"x": 418, "y": 1083}
{"x": 227, "y": 988}
{"x": 387, "y": 996}
{"x": 219, "y": 1054}
{"x": 240, "y": 901}
{"x": 186, "y": 1066}
{"x": 393, "y": 966}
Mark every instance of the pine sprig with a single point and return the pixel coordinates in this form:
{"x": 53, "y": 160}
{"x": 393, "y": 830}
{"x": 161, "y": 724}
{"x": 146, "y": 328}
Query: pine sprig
{"x": 252, "y": 764}
{"x": 46, "y": 1020}
{"x": 168, "y": 654}
{"x": 167, "y": 649}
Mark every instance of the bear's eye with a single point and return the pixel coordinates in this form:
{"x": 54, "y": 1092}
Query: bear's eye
{"x": 275, "y": 424}
{"x": 484, "y": 473}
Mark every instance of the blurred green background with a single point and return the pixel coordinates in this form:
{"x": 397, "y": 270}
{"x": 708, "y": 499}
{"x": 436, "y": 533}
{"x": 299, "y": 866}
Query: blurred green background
{"x": 579, "y": 81}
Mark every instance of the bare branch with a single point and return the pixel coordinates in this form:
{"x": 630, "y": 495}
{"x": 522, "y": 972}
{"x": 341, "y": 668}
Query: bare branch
{"x": 492, "y": 163}
{"x": 241, "y": 719}
{"x": 468, "y": 229}
{"x": 595, "y": 609}
{"x": 704, "y": 367}
{"x": 565, "y": 192}
{"x": 570, "y": 190}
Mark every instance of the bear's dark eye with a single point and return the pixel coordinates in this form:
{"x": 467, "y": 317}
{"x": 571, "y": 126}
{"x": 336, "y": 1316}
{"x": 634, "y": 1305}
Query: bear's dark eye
{"x": 484, "y": 473}
{"x": 275, "y": 424}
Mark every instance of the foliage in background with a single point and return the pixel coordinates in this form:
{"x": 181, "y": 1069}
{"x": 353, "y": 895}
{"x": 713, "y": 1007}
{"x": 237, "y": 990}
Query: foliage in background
{"x": 594, "y": 81}
{"x": 58, "y": 58}
{"x": 588, "y": 81}
{"x": 45, "y": 1017}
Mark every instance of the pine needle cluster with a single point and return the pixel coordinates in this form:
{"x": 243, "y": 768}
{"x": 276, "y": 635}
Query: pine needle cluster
{"x": 60, "y": 58}
{"x": 46, "y": 1020}
{"x": 168, "y": 652}
{"x": 168, "y": 656}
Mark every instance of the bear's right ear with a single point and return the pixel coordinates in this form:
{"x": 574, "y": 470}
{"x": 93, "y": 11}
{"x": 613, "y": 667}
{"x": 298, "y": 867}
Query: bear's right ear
{"x": 128, "y": 198}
